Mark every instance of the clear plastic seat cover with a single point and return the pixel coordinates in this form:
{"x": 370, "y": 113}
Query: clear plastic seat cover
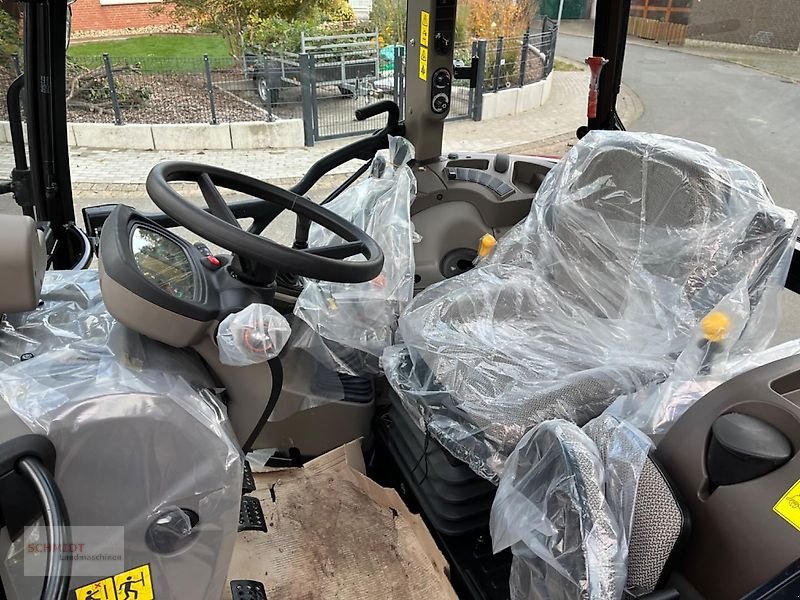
{"x": 139, "y": 434}
{"x": 631, "y": 241}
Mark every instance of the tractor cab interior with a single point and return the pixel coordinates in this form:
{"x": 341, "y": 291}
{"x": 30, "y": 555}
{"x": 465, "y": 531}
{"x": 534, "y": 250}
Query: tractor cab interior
{"x": 562, "y": 365}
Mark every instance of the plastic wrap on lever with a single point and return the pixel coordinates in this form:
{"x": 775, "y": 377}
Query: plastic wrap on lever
{"x": 350, "y": 324}
{"x": 253, "y": 335}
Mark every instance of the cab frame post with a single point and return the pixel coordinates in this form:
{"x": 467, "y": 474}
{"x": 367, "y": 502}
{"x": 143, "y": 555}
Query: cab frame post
{"x": 430, "y": 40}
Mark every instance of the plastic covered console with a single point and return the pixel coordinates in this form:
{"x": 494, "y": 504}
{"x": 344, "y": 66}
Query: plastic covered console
{"x": 142, "y": 441}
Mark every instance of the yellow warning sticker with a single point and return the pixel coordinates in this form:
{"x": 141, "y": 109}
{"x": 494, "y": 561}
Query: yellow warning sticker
{"x": 424, "y": 27}
{"x": 424, "y": 33}
{"x": 423, "y": 64}
{"x": 133, "y": 584}
{"x": 789, "y": 506}
{"x": 99, "y": 590}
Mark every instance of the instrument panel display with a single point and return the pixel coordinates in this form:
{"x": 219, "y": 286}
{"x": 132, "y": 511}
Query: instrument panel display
{"x": 163, "y": 262}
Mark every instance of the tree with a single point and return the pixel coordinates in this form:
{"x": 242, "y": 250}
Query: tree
{"x": 389, "y": 17}
{"x": 9, "y": 36}
{"x": 495, "y": 18}
{"x": 231, "y": 18}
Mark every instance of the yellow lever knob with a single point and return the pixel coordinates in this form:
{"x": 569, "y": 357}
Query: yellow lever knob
{"x": 715, "y": 326}
{"x": 486, "y": 245}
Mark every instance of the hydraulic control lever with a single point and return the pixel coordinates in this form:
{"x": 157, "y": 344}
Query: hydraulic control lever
{"x": 384, "y": 106}
{"x": 363, "y": 149}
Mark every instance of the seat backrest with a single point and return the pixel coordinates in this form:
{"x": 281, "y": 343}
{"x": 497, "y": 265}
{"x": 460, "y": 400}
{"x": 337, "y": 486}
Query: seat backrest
{"x": 589, "y": 512}
{"x": 641, "y": 222}
{"x": 551, "y": 507}
{"x": 23, "y": 261}
{"x": 643, "y": 498}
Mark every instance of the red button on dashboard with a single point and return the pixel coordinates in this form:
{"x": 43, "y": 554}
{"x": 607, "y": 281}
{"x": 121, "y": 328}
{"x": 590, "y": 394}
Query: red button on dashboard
{"x": 213, "y": 260}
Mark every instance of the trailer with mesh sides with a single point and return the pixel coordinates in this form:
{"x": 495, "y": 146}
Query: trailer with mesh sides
{"x": 346, "y": 64}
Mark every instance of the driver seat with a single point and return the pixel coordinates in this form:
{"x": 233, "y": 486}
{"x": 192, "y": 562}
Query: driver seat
{"x": 632, "y": 239}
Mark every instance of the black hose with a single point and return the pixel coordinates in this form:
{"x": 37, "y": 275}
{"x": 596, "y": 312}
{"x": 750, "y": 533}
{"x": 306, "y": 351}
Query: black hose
{"x": 13, "y": 99}
{"x": 276, "y": 370}
{"x": 56, "y": 520}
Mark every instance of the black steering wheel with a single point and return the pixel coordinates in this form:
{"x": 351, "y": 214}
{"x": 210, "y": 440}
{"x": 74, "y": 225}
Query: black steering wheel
{"x": 220, "y": 227}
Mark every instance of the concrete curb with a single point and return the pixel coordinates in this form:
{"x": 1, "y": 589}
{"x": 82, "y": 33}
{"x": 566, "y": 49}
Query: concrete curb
{"x": 703, "y": 43}
{"x": 184, "y": 136}
{"x": 780, "y": 76}
{"x": 514, "y": 101}
{"x": 695, "y": 48}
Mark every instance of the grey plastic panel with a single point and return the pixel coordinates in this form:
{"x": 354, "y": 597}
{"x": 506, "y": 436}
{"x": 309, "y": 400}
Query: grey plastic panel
{"x": 327, "y": 425}
{"x": 453, "y": 213}
{"x": 139, "y": 437}
{"x": 148, "y": 318}
{"x": 738, "y": 541}
{"x": 23, "y": 260}
{"x": 444, "y": 228}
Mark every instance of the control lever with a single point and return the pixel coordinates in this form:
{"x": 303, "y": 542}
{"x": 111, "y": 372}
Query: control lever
{"x": 384, "y": 106}
{"x": 363, "y": 149}
{"x": 743, "y": 447}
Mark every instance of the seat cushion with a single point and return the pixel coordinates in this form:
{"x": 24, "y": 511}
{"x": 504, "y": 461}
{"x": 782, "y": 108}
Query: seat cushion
{"x": 534, "y": 358}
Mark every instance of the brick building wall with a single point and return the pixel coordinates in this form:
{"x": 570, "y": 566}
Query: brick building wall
{"x": 770, "y": 23}
{"x": 110, "y": 15}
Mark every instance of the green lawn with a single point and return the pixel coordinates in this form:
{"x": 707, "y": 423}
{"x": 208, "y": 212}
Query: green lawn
{"x": 562, "y": 65}
{"x": 155, "y": 52}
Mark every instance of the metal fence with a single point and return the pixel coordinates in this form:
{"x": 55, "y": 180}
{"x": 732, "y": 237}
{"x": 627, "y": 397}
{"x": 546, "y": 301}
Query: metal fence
{"x": 205, "y": 89}
{"x": 323, "y": 89}
{"x": 517, "y": 61}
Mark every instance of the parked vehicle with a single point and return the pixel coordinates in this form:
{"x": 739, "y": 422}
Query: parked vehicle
{"x": 347, "y": 62}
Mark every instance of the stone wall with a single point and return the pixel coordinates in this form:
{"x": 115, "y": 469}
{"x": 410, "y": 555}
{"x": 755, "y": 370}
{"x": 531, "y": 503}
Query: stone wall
{"x": 769, "y": 23}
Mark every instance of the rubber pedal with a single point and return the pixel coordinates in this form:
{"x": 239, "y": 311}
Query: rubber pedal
{"x": 247, "y": 589}
{"x": 251, "y": 515}
{"x": 248, "y": 482}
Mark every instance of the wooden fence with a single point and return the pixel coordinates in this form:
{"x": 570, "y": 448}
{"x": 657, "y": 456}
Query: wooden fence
{"x": 658, "y": 31}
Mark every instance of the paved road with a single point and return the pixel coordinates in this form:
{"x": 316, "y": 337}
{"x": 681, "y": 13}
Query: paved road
{"x": 746, "y": 114}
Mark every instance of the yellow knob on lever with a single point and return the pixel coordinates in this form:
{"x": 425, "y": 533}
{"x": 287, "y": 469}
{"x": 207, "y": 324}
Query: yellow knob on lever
{"x": 715, "y": 326}
{"x": 486, "y": 245}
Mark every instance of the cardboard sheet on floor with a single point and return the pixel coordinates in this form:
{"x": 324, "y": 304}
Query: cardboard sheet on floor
{"x": 333, "y": 533}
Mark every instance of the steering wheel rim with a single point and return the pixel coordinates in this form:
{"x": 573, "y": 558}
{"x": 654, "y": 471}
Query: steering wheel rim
{"x": 221, "y": 228}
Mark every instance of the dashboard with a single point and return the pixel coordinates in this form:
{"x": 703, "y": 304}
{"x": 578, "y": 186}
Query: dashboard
{"x": 162, "y": 286}
{"x": 163, "y": 262}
